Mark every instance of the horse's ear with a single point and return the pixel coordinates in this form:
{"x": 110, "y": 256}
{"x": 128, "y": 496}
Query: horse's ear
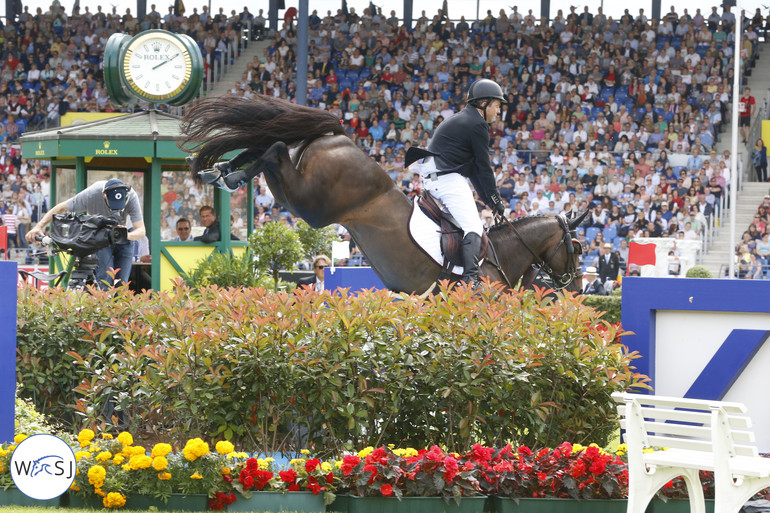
{"x": 576, "y": 222}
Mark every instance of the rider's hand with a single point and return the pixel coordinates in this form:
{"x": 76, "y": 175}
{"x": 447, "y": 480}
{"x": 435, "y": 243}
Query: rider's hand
{"x": 498, "y": 207}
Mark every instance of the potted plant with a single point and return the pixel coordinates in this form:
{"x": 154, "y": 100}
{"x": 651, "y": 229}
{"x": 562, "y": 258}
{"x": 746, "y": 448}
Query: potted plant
{"x": 569, "y": 478}
{"x": 305, "y": 487}
{"x": 385, "y": 481}
{"x": 115, "y": 473}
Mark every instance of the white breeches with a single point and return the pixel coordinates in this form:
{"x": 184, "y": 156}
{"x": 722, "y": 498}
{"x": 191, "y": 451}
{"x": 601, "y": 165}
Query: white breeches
{"x": 454, "y": 191}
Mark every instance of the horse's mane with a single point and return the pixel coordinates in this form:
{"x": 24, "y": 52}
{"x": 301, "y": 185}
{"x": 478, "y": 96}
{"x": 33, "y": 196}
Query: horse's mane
{"x": 217, "y": 125}
{"x": 521, "y": 220}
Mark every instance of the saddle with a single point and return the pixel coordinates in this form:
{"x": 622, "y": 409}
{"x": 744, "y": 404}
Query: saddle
{"x": 451, "y": 233}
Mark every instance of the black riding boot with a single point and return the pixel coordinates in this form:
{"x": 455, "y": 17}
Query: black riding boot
{"x": 471, "y": 253}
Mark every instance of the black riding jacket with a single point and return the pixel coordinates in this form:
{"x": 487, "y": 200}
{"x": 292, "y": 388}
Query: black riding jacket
{"x": 461, "y": 144}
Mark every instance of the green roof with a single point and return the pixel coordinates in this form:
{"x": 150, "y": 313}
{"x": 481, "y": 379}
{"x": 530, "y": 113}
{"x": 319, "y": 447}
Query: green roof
{"x": 149, "y": 124}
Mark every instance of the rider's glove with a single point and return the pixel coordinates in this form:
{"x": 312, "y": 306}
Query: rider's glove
{"x": 497, "y": 204}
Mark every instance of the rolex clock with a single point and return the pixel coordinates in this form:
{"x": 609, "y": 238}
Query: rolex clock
{"x": 155, "y": 66}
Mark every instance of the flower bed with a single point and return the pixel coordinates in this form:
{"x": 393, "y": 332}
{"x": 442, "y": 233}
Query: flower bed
{"x": 117, "y": 473}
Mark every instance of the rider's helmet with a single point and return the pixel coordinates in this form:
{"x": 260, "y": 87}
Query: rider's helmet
{"x": 484, "y": 89}
{"x": 116, "y": 193}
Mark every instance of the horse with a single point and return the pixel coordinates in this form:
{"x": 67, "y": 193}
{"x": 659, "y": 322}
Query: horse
{"x": 316, "y": 172}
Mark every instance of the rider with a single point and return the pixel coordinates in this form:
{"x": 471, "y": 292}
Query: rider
{"x": 460, "y": 149}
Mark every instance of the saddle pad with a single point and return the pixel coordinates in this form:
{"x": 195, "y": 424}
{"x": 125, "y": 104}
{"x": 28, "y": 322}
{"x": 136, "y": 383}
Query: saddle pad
{"x": 425, "y": 233}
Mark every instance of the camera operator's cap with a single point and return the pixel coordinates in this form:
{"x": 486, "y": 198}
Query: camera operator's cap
{"x": 117, "y": 193}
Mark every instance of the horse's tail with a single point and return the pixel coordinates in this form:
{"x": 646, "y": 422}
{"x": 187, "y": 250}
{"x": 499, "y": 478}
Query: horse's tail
{"x": 217, "y": 125}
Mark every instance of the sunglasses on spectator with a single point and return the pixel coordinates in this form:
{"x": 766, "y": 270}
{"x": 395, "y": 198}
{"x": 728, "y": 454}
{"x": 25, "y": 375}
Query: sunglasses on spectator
{"x": 321, "y": 266}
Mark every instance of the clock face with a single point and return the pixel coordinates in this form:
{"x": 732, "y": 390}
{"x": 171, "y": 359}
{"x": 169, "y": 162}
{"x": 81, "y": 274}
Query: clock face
{"x": 157, "y": 66}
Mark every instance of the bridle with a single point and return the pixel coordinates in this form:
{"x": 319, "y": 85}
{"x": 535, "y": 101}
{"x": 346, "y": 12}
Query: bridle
{"x": 569, "y": 240}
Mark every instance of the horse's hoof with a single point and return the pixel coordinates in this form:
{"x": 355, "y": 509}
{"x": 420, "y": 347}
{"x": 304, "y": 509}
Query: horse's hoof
{"x": 235, "y": 181}
{"x": 210, "y": 175}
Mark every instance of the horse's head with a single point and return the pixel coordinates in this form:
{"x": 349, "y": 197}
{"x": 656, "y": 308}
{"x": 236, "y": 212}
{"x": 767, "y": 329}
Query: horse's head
{"x": 562, "y": 263}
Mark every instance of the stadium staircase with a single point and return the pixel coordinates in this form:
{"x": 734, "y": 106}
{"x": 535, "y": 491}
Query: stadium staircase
{"x": 751, "y": 194}
{"x": 235, "y": 73}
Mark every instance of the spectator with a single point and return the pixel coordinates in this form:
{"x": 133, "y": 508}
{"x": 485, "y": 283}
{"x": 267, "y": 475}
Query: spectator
{"x": 211, "y": 223}
{"x": 183, "y": 230}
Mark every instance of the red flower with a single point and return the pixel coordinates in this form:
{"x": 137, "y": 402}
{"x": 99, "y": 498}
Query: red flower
{"x": 247, "y": 482}
{"x": 542, "y": 476}
{"x": 288, "y": 476}
{"x": 349, "y": 462}
{"x": 525, "y": 451}
{"x": 330, "y": 478}
{"x": 386, "y": 490}
{"x": 252, "y": 464}
{"x": 597, "y": 467}
{"x": 312, "y": 464}
{"x": 579, "y": 469}
{"x": 294, "y": 487}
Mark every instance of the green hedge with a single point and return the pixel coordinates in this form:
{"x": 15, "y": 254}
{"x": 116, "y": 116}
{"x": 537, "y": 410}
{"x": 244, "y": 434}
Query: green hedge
{"x": 282, "y": 371}
{"x": 607, "y": 306}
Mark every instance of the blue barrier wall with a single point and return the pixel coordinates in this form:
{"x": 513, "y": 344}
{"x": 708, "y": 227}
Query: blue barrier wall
{"x": 355, "y": 278}
{"x": 8, "y": 284}
{"x": 703, "y": 339}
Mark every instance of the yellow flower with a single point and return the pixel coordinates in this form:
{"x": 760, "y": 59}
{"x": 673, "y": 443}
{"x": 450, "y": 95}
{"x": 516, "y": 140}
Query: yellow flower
{"x": 405, "y": 453}
{"x": 224, "y": 447}
{"x": 99, "y": 491}
{"x": 305, "y": 451}
{"x": 225, "y": 471}
{"x": 197, "y": 475}
{"x": 96, "y": 475}
{"x": 326, "y": 467}
{"x": 164, "y": 476}
{"x": 79, "y": 455}
{"x": 85, "y": 437}
{"x": 195, "y": 448}
{"x": 114, "y": 500}
{"x": 103, "y": 456}
{"x": 140, "y": 462}
{"x": 134, "y": 450}
{"x": 365, "y": 452}
{"x": 125, "y": 438}
{"x": 160, "y": 463}
{"x": 19, "y": 438}
{"x": 263, "y": 464}
{"x": 74, "y": 487}
{"x": 160, "y": 450}
{"x": 118, "y": 459}
{"x": 106, "y": 436}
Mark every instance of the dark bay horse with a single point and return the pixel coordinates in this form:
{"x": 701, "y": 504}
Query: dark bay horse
{"x": 320, "y": 175}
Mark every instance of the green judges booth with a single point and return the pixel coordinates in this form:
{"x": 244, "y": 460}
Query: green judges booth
{"x": 141, "y": 149}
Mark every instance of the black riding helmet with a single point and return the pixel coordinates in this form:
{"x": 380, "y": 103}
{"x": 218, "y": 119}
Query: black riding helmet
{"x": 484, "y": 89}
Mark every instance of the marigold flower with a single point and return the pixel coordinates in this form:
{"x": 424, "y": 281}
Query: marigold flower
{"x": 225, "y": 471}
{"x": 160, "y": 450}
{"x": 96, "y": 475}
{"x": 363, "y": 453}
{"x": 326, "y": 467}
{"x": 99, "y": 492}
{"x": 118, "y": 459}
{"x": 164, "y": 476}
{"x": 197, "y": 475}
{"x": 195, "y": 448}
{"x": 125, "y": 438}
{"x": 304, "y": 451}
{"x": 140, "y": 462}
{"x": 104, "y": 456}
{"x": 114, "y": 500}
{"x": 19, "y": 438}
{"x": 224, "y": 447}
{"x": 106, "y": 436}
{"x": 160, "y": 463}
{"x": 79, "y": 455}
{"x": 85, "y": 436}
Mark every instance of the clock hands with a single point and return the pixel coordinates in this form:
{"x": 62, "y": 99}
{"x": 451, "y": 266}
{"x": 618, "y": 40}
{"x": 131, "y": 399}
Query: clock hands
{"x": 164, "y": 62}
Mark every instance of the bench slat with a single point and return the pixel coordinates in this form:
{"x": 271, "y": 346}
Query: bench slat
{"x": 696, "y": 417}
{"x": 687, "y": 430}
{"x": 676, "y": 402}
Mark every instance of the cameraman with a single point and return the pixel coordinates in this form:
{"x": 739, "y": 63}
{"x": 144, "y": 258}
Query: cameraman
{"x": 110, "y": 198}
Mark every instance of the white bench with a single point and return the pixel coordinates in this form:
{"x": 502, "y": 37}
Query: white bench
{"x": 684, "y": 436}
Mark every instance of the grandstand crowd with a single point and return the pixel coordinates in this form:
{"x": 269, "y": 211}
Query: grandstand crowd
{"x": 620, "y": 116}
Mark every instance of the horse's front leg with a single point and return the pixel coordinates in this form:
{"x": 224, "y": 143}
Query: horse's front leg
{"x": 222, "y": 174}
